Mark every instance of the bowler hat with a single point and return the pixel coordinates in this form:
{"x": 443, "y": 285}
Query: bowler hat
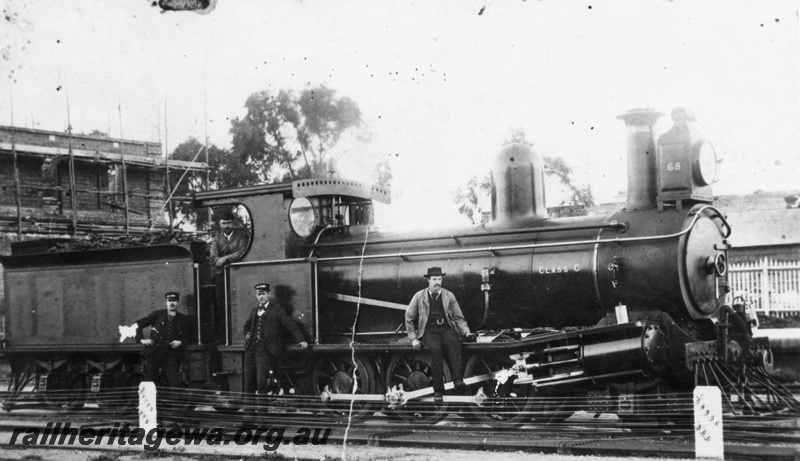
{"x": 434, "y": 271}
{"x": 262, "y": 287}
{"x": 226, "y": 216}
{"x": 173, "y": 296}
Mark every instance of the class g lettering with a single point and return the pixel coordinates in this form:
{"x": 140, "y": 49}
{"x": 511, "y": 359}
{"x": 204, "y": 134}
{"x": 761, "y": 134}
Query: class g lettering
{"x": 559, "y": 269}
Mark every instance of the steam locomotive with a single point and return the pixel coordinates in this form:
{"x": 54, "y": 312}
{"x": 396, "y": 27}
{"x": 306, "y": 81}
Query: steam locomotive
{"x": 617, "y": 311}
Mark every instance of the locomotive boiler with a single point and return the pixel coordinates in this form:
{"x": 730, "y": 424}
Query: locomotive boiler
{"x": 613, "y": 310}
{"x": 524, "y": 270}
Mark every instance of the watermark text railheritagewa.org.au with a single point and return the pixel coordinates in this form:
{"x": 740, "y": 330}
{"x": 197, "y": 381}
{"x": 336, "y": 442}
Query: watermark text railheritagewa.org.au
{"x": 65, "y": 434}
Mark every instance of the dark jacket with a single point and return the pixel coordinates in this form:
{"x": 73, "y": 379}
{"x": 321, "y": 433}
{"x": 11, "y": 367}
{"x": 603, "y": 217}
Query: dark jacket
{"x": 157, "y": 321}
{"x": 229, "y": 250}
{"x": 419, "y": 309}
{"x": 275, "y": 317}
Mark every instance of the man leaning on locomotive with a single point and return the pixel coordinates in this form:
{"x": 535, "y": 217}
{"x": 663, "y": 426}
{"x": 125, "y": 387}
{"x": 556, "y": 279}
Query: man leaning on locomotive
{"x": 263, "y": 344}
{"x": 226, "y": 248}
{"x": 169, "y": 330}
{"x": 434, "y": 318}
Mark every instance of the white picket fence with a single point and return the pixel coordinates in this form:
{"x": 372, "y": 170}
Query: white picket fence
{"x": 771, "y": 287}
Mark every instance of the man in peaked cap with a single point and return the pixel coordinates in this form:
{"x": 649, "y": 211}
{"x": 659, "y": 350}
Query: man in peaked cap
{"x": 263, "y": 344}
{"x": 169, "y": 330}
{"x": 434, "y": 318}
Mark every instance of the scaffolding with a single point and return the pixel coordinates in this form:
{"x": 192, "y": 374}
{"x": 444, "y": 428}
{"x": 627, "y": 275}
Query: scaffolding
{"x": 123, "y": 161}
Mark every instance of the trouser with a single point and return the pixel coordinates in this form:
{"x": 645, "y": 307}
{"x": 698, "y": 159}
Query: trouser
{"x": 436, "y": 338}
{"x": 260, "y": 375}
{"x": 166, "y": 361}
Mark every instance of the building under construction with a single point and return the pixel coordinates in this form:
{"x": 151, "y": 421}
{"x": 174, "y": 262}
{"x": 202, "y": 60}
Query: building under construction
{"x": 69, "y": 184}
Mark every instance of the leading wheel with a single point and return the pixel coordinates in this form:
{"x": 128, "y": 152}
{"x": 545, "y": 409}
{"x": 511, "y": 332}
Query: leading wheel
{"x": 413, "y": 371}
{"x": 343, "y": 375}
{"x": 506, "y": 401}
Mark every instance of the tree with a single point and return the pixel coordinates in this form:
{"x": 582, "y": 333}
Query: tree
{"x": 225, "y": 172}
{"x": 382, "y": 174}
{"x": 282, "y": 137}
{"x": 472, "y": 197}
{"x": 578, "y": 199}
{"x": 97, "y": 133}
{"x": 285, "y": 137}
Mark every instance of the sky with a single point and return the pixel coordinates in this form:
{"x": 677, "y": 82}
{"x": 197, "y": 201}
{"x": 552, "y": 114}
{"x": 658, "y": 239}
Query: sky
{"x": 441, "y": 84}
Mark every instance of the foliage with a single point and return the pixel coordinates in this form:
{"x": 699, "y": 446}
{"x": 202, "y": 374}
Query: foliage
{"x": 225, "y": 172}
{"x": 765, "y": 322}
{"x": 97, "y": 133}
{"x": 285, "y": 137}
{"x": 580, "y": 198}
{"x": 468, "y": 197}
{"x": 382, "y": 174}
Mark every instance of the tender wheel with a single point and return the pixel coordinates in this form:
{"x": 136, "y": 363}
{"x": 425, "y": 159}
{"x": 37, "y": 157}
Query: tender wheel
{"x": 121, "y": 394}
{"x": 413, "y": 371}
{"x": 506, "y": 402}
{"x": 66, "y": 392}
{"x": 337, "y": 374}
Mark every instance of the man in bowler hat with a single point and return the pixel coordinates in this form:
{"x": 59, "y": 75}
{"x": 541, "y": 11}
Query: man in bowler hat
{"x": 434, "y": 318}
{"x": 263, "y": 344}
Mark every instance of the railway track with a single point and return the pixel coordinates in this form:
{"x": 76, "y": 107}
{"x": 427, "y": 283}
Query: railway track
{"x": 773, "y": 438}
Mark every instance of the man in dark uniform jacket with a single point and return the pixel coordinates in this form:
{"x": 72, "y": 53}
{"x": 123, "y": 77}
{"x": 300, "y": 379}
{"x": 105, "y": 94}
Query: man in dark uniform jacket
{"x": 169, "y": 331}
{"x": 434, "y": 318}
{"x": 263, "y": 344}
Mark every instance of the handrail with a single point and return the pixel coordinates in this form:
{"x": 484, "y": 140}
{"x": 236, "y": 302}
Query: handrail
{"x": 611, "y": 225}
{"x": 493, "y": 249}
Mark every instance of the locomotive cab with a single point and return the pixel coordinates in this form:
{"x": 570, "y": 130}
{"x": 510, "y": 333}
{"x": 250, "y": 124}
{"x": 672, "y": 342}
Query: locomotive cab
{"x": 285, "y": 218}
